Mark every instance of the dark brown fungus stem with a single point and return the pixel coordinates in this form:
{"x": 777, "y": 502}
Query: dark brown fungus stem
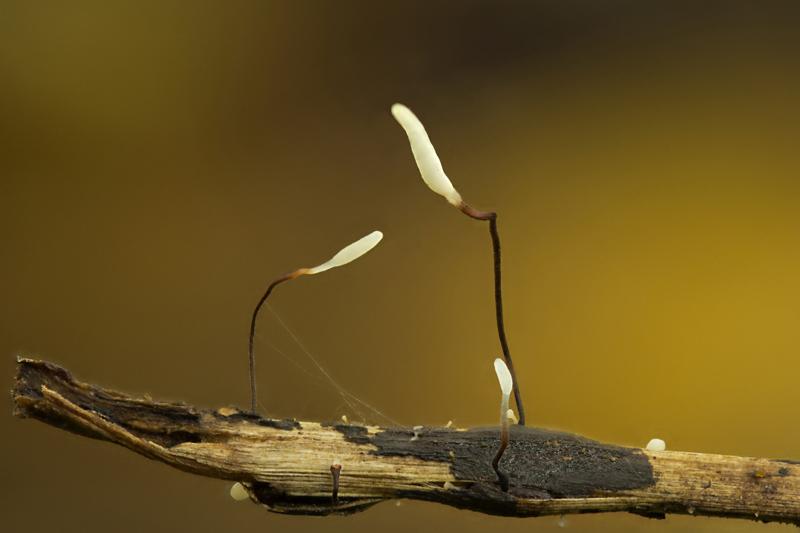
{"x": 263, "y": 299}
{"x": 345, "y": 255}
{"x": 502, "y": 476}
{"x": 498, "y": 297}
{"x": 336, "y": 468}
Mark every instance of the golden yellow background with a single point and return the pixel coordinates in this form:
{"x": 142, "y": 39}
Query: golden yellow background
{"x": 162, "y": 162}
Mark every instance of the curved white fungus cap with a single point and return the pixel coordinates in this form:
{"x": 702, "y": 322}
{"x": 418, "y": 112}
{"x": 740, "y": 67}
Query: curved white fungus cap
{"x": 506, "y": 383}
{"x": 656, "y": 445}
{"x": 428, "y": 162}
{"x": 238, "y": 492}
{"x": 350, "y": 253}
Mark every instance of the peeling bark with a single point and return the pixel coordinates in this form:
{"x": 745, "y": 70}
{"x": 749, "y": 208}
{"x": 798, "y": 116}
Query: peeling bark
{"x": 285, "y": 465}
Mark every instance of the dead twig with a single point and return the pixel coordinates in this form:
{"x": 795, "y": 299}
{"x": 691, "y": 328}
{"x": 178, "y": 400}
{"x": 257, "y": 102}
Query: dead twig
{"x": 285, "y": 465}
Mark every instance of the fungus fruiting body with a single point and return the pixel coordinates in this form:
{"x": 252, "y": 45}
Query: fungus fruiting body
{"x": 349, "y": 253}
{"x": 511, "y": 416}
{"x": 656, "y": 445}
{"x": 238, "y": 492}
{"x": 504, "y": 376}
{"x": 344, "y": 256}
{"x": 430, "y": 167}
{"x": 336, "y": 469}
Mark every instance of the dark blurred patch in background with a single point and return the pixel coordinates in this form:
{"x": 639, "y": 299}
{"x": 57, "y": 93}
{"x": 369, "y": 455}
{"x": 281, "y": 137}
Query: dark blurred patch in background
{"x": 162, "y": 162}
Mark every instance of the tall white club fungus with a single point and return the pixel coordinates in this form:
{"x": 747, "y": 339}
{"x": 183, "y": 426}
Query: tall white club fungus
{"x": 428, "y": 162}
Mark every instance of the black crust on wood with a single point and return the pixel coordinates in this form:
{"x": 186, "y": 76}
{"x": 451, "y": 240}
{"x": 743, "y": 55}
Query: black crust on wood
{"x": 551, "y": 463}
{"x": 354, "y": 434}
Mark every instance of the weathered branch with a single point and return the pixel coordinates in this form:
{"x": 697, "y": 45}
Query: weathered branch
{"x": 286, "y": 465}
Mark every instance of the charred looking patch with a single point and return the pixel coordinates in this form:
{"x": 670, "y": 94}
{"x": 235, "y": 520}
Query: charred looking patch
{"x": 165, "y": 424}
{"x": 354, "y": 434}
{"x": 549, "y": 462}
{"x": 159, "y": 422}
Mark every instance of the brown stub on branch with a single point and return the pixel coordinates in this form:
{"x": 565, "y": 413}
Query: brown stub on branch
{"x": 336, "y": 469}
{"x": 286, "y": 465}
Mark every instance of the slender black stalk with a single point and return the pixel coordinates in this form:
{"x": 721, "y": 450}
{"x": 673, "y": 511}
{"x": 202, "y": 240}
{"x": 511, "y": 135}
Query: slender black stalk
{"x": 498, "y": 297}
{"x": 501, "y": 330}
{"x": 253, "y": 331}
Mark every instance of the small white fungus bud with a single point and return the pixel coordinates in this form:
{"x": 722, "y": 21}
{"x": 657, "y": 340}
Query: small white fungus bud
{"x": 238, "y": 492}
{"x": 350, "y": 253}
{"x": 449, "y": 486}
{"x": 425, "y": 155}
{"x": 506, "y": 383}
{"x": 656, "y": 445}
{"x": 511, "y": 416}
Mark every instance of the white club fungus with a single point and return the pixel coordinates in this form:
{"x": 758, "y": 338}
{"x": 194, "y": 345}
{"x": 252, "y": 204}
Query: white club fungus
{"x": 425, "y": 155}
{"x": 350, "y": 253}
{"x": 506, "y": 383}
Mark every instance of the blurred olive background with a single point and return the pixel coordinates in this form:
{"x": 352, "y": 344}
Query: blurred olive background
{"x": 162, "y": 162}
